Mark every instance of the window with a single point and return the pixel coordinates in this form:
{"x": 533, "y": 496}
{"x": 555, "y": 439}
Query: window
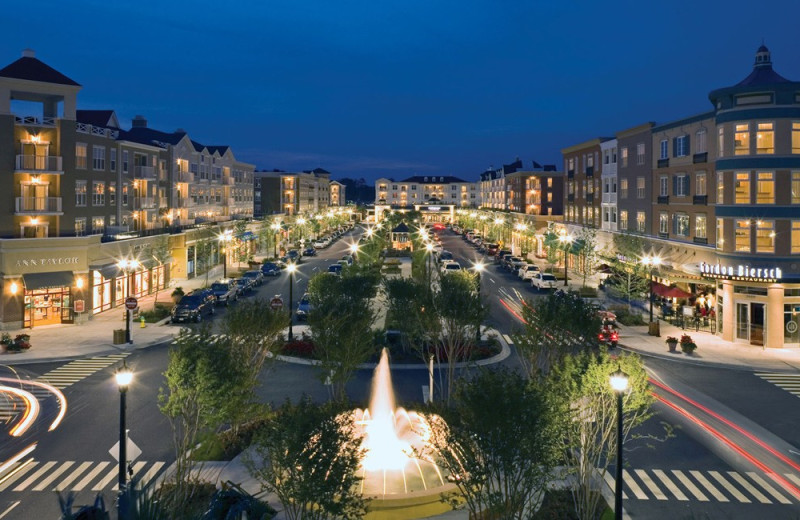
{"x": 796, "y": 237}
{"x": 124, "y": 161}
{"x": 571, "y": 164}
{"x": 681, "y": 145}
{"x": 81, "y": 152}
{"x": 664, "y": 149}
{"x": 590, "y": 161}
{"x": 720, "y": 141}
{"x": 640, "y": 154}
{"x": 795, "y": 137}
{"x": 701, "y": 141}
{"x": 720, "y": 187}
{"x": 700, "y": 187}
{"x": 640, "y": 187}
{"x": 80, "y": 193}
{"x": 700, "y": 225}
{"x": 741, "y": 232}
{"x": 663, "y": 222}
{"x": 80, "y": 226}
{"x": 623, "y": 188}
{"x": 550, "y": 196}
{"x": 98, "y": 225}
{"x": 795, "y": 187}
{"x": 125, "y": 195}
{"x": 741, "y": 188}
{"x": 624, "y": 154}
{"x": 681, "y": 185}
{"x": 623, "y": 220}
{"x": 550, "y": 182}
{"x": 765, "y": 139}
{"x": 112, "y": 193}
{"x": 681, "y": 224}
{"x": 640, "y": 221}
{"x": 112, "y": 160}
{"x": 663, "y": 186}
{"x": 98, "y": 193}
{"x": 765, "y": 236}
{"x": 98, "y": 158}
{"x": 741, "y": 144}
{"x": 765, "y": 188}
{"x": 720, "y": 232}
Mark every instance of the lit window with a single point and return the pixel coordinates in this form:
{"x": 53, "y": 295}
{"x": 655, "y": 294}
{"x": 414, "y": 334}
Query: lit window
{"x": 700, "y": 226}
{"x": 623, "y": 219}
{"x": 741, "y": 232}
{"x": 623, "y": 188}
{"x": 700, "y": 184}
{"x": 765, "y": 188}
{"x": 624, "y": 154}
{"x": 742, "y": 140}
{"x": 640, "y": 183}
{"x": 796, "y": 237}
{"x": 663, "y": 186}
{"x": 795, "y": 187}
{"x": 640, "y": 221}
{"x": 701, "y": 145}
{"x": 640, "y": 154}
{"x": 663, "y": 222}
{"x": 720, "y": 187}
{"x": 742, "y": 188}
{"x": 765, "y": 139}
{"x": 795, "y": 137}
{"x": 81, "y": 154}
{"x": 720, "y": 142}
{"x": 765, "y": 236}
{"x": 720, "y": 233}
{"x": 80, "y": 193}
{"x": 681, "y": 224}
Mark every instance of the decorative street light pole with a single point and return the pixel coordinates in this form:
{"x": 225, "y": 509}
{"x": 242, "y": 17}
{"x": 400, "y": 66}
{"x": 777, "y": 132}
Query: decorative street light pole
{"x": 619, "y": 383}
{"x": 276, "y": 227}
{"x": 225, "y": 239}
{"x": 292, "y": 267}
{"x": 652, "y": 262}
{"x": 124, "y": 376}
{"x": 429, "y": 249}
{"x": 566, "y": 240}
{"x": 128, "y": 266}
{"x": 478, "y": 270}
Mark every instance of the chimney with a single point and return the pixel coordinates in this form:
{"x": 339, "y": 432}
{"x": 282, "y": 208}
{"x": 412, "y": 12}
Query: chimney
{"x": 28, "y": 53}
{"x": 139, "y": 122}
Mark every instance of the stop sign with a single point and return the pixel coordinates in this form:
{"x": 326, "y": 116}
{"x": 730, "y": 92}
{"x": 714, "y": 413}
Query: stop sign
{"x": 131, "y": 302}
{"x": 276, "y": 303}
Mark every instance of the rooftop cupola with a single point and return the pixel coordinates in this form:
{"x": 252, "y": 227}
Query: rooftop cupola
{"x": 763, "y": 58}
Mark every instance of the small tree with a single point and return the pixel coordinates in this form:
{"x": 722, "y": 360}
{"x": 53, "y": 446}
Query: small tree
{"x": 630, "y": 278}
{"x": 308, "y": 456}
{"x": 159, "y": 251}
{"x": 586, "y": 248}
{"x": 412, "y": 312}
{"x": 499, "y": 439}
{"x": 552, "y": 247}
{"x": 204, "y": 253}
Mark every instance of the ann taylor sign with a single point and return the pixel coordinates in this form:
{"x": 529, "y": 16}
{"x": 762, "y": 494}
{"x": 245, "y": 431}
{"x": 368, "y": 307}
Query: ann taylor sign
{"x": 741, "y": 272}
{"x": 47, "y": 262}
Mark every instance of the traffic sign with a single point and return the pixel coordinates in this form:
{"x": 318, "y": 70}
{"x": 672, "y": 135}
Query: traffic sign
{"x": 276, "y": 304}
{"x": 132, "y": 451}
{"x": 131, "y": 302}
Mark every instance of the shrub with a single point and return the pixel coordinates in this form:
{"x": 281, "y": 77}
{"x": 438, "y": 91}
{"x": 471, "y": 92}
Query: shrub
{"x": 588, "y": 292}
{"x": 303, "y": 348}
{"x": 159, "y": 312}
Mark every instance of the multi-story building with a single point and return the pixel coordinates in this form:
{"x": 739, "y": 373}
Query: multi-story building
{"x": 536, "y": 192}
{"x": 634, "y": 173}
{"x": 582, "y": 195}
{"x": 608, "y": 181}
{"x": 493, "y": 186}
{"x": 293, "y": 193}
{"x": 427, "y": 189}
{"x": 337, "y": 194}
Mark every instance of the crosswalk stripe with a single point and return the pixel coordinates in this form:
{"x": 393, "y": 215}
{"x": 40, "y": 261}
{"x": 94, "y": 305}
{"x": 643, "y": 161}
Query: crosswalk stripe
{"x": 137, "y": 467}
{"x": 16, "y": 473}
{"x": 64, "y": 484}
{"x": 633, "y": 486}
{"x": 730, "y": 488}
{"x": 508, "y": 339}
{"x": 38, "y": 473}
{"x": 151, "y": 473}
{"x": 794, "y": 478}
{"x": 670, "y": 485}
{"x": 788, "y": 382}
{"x": 88, "y": 478}
{"x": 648, "y": 482}
{"x": 688, "y": 484}
{"x": 100, "y": 486}
{"x": 766, "y": 485}
{"x": 611, "y": 481}
{"x": 708, "y": 486}
{"x": 54, "y": 475}
{"x": 749, "y": 487}
{"x": 10, "y": 508}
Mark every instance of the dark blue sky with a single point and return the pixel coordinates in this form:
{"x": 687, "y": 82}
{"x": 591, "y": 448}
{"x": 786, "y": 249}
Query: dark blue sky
{"x": 378, "y": 88}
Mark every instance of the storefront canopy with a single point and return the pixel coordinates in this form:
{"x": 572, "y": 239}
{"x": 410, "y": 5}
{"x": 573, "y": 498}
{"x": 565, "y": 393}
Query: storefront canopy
{"x": 668, "y": 292}
{"x": 47, "y": 280}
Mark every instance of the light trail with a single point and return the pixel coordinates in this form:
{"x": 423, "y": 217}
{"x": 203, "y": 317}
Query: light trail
{"x": 62, "y": 400}
{"x": 31, "y": 410}
{"x": 10, "y": 462}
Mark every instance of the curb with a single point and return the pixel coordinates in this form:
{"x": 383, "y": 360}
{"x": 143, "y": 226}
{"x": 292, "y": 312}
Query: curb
{"x": 711, "y": 364}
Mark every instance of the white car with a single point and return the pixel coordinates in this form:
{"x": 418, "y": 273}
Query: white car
{"x": 450, "y": 266}
{"x": 543, "y": 281}
{"x": 526, "y": 272}
{"x": 320, "y": 244}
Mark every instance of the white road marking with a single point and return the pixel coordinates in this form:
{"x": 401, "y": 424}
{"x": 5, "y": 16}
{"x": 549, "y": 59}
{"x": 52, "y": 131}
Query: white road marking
{"x": 766, "y": 485}
{"x": 730, "y": 488}
{"x": 654, "y": 489}
{"x": 30, "y": 480}
{"x": 64, "y": 484}
{"x": 709, "y": 486}
{"x": 670, "y": 485}
{"x": 612, "y": 482}
{"x": 92, "y": 474}
{"x": 9, "y": 509}
{"x": 749, "y": 487}
{"x": 630, "y": 483}
{"x": 688, "y": 484}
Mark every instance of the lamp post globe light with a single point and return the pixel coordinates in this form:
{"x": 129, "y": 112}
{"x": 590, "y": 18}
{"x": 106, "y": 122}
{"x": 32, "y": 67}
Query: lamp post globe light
{"x": 127, "y": 266}
{"x": 566, "y": 240}
{"x": 619, "y": 383}
{"x": 124, "y": 377}
{"x": 652, "y": 262}
{"x": 291, "y": 268}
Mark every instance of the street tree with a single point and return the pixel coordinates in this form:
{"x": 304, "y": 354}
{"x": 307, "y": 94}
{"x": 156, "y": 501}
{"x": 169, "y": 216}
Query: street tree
{"x": 500, "y": 439}
{"x": 308, "y": 455}
{"x": 160, "y": 251}
{"x": 585, "y": 246}
{"x": 411, "y": 311}
{"x": 630, "y": 278}
{"x": 588, "y": 407}
{"x": 558, "y": 325}
{"x": 204, "y": 255}
{"x": 552, "y": 247}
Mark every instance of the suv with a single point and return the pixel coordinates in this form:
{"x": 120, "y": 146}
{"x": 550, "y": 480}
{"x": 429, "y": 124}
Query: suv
{"x": 270, "y": 269}
{"x": 514, "y": 263}
{"x": 225, "y": 291}
{"x": 245, "y": 285}
{"x": 193, "y": 306}
{"x": 255, "y": 277}
{"x": 491, "y": 249}
{"x": 303, "y": 308}
{"x": 543, "y": 281}
{"x": 500, "y": 254}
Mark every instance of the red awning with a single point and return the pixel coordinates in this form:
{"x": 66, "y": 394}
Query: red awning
{"x": 668, "y": 292}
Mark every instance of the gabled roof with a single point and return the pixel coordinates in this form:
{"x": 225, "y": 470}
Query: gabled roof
{"x": 317, "y": 171}
{"x": 104, "y": 118}
{"x": 402, "y": 228}
{"x": 149, "y": 136}
{"x": 32, "y": 69}
{"x": 221, "y": 149}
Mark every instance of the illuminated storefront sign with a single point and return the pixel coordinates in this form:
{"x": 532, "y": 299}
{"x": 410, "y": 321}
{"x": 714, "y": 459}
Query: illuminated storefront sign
{"x": 741, "y": 272}
{"x": 37, "y": 262}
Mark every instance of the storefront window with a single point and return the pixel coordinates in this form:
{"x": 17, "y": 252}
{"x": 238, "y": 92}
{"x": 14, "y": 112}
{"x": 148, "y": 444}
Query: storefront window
{"x": 742, "y": 235}
{"x": 741, "y": 144}
{"x": 101, "y": 293}
{"x": 765, "y": 236}
{"x": 765, "y": 188}
{"x": 791, "y": 323}
{"x": 765, "y": 139}
{"x": 742, "y": 188}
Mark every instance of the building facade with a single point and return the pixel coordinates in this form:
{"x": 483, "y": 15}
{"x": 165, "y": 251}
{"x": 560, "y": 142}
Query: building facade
{"x": 535, "y": 192}
{"x": 295, "y": 193}
{"x": 582, "y": 195}
{"x": 634, "y": 179}
{"x": 609, "y": 185}
{"x": 427, "y": 189}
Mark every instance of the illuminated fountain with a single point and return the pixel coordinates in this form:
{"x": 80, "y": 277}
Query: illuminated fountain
{"x": 399, "y": 476}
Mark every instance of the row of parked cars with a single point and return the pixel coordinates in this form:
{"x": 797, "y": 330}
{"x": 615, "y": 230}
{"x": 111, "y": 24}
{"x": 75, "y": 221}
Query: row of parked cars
{"x": 323, "y": 242}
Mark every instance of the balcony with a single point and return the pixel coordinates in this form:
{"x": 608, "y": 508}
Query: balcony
{"x": 661, "y": 234}
{"x": 35, "y": 121}
{"x": 590, "y": 171}
{"x": 700, "y": 157}
{"x": 144, "y": 203}
{"x": 700, "y": 200}
{"x": 663, "y": 199}
{"x": 144, "y": 172}
{"x": 228, "y": 181}
{"x": 699, "y": 240}
{"x": 184, "y": 177}
{"x": 663, "y": 163}
{"x": 38, "y": 206}
{"x": 39, "y": 164}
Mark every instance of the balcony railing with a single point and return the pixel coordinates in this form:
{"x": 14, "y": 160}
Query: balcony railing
{"x": 35, "y": 121}
{"x": 700, "y": 200}
{"x": 699, "y": 240}
{"x": 38, "y": 205}
{"x": 144, "y": 172}
{"x": 145, "y": 203}
{"x": 663, "y": 163}
{"x": 39, "y": 163}
{"x": 609, "y": 198}
{"x": 663, "y": 199}
{"x": 184, "y": 177}
{"x": 700, "y": 157}
{"x": 661, "y": 234}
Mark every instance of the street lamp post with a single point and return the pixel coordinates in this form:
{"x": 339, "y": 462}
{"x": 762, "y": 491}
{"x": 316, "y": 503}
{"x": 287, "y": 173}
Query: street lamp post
{"x": 619, "y": 383}
{"x": 291, "y": 268}
{"x": 124, "y": 376}
{"x": 128, "y": 266}
{"x": 478, "y": 270}
{"x": 276, "y": 227}
{"x": 652, "y": 262}
{"x": 225, "y": 239}
{"x": 566, "y": 240}
{"x": 429, "y": 249}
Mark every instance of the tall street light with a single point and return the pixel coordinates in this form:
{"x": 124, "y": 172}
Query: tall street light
{"x": 276, "y": 227}
{"x": 429, "y": 250}
{"x": 566, "y": 240}
{"x": 124, "y": 376}
{"x": 225, "y": 239}
{"x": 292, "y": 267}
{"x": 128, "y": 266}
{"x": 619, "y": 383}
{"x": 478, "y": 267}
{"x": 652, "y": 262}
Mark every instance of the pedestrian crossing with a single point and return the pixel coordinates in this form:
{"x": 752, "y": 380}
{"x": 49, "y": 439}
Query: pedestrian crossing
{"x": 788, "y": 382}
{"x": 74, "y": 476}
{"x": 704, "y": 486}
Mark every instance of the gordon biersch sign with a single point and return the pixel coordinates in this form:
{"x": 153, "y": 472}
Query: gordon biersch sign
{"x": 741, "y": 272}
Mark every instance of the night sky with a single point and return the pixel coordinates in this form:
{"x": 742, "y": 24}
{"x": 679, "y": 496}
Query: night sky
{"x": 398, "y": 88}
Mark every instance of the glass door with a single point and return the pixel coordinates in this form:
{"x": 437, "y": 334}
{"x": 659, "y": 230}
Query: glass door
{"x": 743, "y": 321}
{"x": 757, "y": 324}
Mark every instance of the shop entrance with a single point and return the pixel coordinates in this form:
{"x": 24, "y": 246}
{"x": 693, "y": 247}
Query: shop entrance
{"x": 750, "y": 322}
{"x": 47, "y": 307}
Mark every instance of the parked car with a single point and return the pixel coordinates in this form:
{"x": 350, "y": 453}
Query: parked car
{"x": 608, "y": 337}
{"x": 255, "y": 277}
{"x": 225, "y": 291}
{"x": 270, "y": 269}
{"x": 491, "y": 249}
{"x": 348, "y": 259}
{"x": 543, "y": 281}
{"x": 526, "y": 272}
{"x": 506, "y": 261}
{"x": 309, "y": 251}
{"x": 193, "y": 307}
{"x": 450, "y": 266}
{"x": 321, "y": 243}
{"x": 245, "y": 285}
{"x": 444, "y": 255}
{"x": 293, "y": 255}
{"x": 500, "y": 254}
{"x": 514, "y": 263}
{"x": 303, "y": 308}
{"x": 335, "y": 269}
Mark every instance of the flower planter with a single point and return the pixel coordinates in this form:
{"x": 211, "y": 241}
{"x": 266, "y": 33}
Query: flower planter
{"x": 673, "y": 346}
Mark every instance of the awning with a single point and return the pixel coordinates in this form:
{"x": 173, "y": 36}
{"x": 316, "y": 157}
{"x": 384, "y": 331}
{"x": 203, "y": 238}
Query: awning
{"x": 668, "y": 292}
{"x": 247, "y": 235}
{"x": 47, "y": 280}
{"x": 109, "y": 271}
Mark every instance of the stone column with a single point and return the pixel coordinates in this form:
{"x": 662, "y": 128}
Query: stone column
{"x": 728, "y": 312}
{"x": 774, "y": 317}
